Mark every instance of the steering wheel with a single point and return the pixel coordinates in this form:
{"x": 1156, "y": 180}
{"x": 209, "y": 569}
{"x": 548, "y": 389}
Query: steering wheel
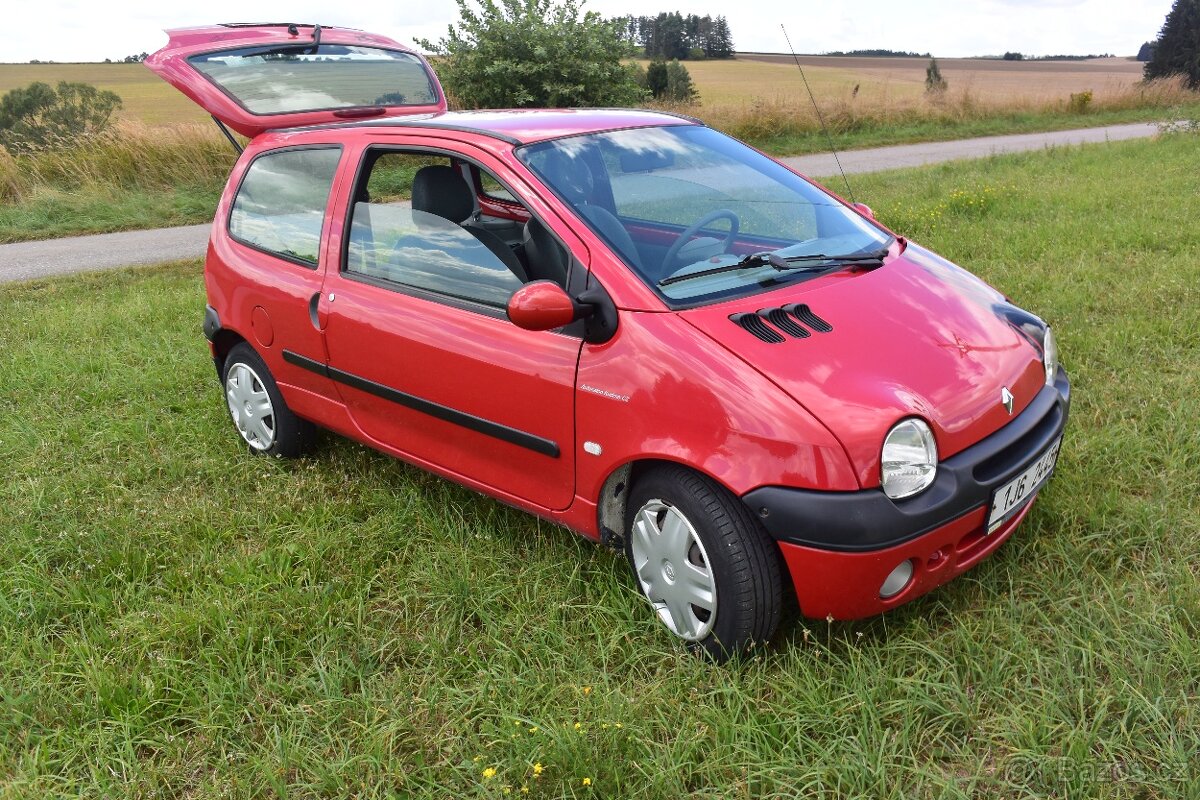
{"x": 685, "y": 237}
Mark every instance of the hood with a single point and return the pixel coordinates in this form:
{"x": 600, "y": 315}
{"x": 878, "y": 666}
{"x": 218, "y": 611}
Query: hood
{"x": 862, "y": 350}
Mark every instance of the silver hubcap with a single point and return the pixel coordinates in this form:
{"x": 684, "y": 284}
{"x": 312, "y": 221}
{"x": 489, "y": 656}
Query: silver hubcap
{"x": 674, "y": 570}
{"x": 250, "y": 407}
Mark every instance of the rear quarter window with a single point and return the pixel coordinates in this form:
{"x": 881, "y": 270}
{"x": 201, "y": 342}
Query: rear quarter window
{"x": 280, "y": 204}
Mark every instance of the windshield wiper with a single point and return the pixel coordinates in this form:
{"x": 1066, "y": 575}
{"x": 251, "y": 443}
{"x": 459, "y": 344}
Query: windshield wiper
{"x": 780, "y": 263}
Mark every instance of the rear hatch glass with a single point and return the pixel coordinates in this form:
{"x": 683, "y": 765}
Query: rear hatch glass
{"x": 281, "y": 80}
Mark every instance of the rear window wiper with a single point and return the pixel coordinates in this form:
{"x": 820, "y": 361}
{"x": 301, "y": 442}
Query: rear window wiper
{"x": 812, "y": 262}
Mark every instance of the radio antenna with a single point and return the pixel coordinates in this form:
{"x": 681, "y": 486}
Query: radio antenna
{"x": 817, "y": 109}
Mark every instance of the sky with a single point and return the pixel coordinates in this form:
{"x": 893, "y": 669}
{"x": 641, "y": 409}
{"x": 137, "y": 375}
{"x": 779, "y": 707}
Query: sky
{"x": 87, "y": 30}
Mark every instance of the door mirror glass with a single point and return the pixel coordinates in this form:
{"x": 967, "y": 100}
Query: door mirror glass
{"x": 541, "y": 306}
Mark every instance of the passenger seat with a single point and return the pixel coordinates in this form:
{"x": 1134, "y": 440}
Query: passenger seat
{"x": 441, "y": 190}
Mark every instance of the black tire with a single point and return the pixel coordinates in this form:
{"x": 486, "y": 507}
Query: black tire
{"x": 289, "y": 436}
{"x": 741, "y": 560}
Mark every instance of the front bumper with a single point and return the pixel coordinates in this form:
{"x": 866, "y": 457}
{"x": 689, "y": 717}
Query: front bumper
{"x": 846, "y": 585}
{"x": 839, "y": 546}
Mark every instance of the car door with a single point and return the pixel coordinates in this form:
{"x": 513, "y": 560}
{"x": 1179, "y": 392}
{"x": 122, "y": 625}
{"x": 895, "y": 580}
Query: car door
{"x": 426, "y": 359}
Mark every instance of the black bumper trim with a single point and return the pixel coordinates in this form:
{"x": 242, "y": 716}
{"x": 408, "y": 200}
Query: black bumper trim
{"x": 869, "y": 520}
{"x": 212, "y": 323}
{"x": 496, "y": 430}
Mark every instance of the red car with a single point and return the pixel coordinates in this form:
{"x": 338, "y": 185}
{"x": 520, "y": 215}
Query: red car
{"x": 619, "y": 320}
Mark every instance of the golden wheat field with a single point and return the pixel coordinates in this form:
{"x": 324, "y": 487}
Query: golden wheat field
{"x": 991, "y": 80}
{"x": 751, "y": 79}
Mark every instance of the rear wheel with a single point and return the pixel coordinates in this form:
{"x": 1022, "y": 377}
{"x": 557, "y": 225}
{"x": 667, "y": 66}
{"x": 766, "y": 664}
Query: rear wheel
{"x": 706, "y": 565}
{"x": 257, "y": 408}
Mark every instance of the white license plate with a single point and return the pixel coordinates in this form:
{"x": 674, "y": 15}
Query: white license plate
{"x": 1010, "y": 497}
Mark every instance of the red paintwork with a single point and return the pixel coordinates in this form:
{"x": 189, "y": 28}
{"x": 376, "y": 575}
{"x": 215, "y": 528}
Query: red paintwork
{"x": 914, "y": 337}
{"x": 928, "y": 320}
{"x": 170, "y": 63}
{"x": 846, "y": 585}
{"x": 541, "y": 306}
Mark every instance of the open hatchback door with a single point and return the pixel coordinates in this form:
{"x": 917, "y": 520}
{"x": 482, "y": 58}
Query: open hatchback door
{"x": 259, "y": 77}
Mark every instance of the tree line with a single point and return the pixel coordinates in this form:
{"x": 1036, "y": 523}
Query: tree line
{"x": 671, "y": 35}
{"x": 1177, "y": 50}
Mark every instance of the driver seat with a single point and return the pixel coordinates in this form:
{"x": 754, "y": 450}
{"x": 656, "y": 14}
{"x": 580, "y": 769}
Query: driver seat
{"x": 573, "y": 177}
{"x": 611, "y": 229}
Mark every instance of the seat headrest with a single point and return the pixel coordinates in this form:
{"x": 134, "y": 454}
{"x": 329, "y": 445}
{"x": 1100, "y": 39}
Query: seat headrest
{"x": 441, "y": 190}
{"x": 570, "y": 175}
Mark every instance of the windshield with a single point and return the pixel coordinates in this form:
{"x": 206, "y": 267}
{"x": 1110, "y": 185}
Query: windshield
{"x": 696, "y": 214}
{"x": 293, "y": 78}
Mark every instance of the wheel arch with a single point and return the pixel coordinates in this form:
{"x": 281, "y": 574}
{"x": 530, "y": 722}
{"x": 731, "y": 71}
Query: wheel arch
{"x": 612, "y": 503}
{"x": 223, "y": 341}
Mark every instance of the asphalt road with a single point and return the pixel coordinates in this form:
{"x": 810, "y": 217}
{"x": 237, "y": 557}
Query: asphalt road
{"x": 29, "y": 260}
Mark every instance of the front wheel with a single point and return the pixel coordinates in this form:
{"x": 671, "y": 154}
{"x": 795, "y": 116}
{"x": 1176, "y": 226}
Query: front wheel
{"x": 257, "y": 408}
{"x": 703, "y": 561}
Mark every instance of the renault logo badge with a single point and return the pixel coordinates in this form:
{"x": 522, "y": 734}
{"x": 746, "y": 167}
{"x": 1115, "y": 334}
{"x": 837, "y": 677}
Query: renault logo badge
{"x": 1006, "y": 397}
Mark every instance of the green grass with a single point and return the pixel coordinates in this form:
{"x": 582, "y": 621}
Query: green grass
{"x": 51, "y": 213}
{"x": 179, "y": 619}
{"x": 916, "y": 130}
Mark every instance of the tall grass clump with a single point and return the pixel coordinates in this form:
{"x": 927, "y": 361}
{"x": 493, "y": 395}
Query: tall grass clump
{"x": 131, "y": 176}
{"x": 129, "y": 156}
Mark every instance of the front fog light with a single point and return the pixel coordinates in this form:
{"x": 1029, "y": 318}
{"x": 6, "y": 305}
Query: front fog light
{"x": 909, "y": 459}
{"x": 1050, "y": 356}
{"x": 897, "y": 581}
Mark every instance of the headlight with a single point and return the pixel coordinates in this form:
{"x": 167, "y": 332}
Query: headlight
{"x": 1050, "y": 356}
{"x": 909, "y": 462}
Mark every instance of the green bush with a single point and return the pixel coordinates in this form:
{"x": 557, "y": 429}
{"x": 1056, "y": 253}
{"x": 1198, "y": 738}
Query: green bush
{"x": 1080, "y": 102}
{"x": 534, "y": 54}
{"x": 42, "y": 117}
{"x": 670, "y": 82}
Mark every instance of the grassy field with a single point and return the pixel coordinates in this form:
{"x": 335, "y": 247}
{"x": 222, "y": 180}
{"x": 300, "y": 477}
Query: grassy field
{"x": 179, "y": 619}
{"x": 145, "y": 97}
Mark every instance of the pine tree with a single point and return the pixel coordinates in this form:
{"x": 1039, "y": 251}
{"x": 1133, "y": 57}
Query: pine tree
{"x": 1177, "y": 51}
{"x": 680, "y": 88}
{"x": 656, "y": 78}
{"x": 721, "y": 45}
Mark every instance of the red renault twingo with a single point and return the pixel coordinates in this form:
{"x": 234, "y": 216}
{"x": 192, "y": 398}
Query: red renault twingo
{"x": 619, "y": 320}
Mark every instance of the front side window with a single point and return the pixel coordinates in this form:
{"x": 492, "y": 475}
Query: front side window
{"x": 680, "y": 200}
{"x": 296, "y": 78}
{"x": 415, "y": 225}
{"x": 280, "y": 205}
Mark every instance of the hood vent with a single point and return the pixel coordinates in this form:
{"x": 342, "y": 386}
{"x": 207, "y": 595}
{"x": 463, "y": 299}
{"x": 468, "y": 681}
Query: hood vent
{"x": 766, "y": 323}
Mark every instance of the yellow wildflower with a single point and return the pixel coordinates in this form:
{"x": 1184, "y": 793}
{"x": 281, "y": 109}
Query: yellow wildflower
{"x": 538, "y": 769}
{"x": 587, "y": 781}
{"x": 587, "y": 690}
{"x": 489, "y": 773}
{"x": 578, "y": 726}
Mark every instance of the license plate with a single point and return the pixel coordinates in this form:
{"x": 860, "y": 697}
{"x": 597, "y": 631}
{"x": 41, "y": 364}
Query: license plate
{"x": 1010, "y": 497}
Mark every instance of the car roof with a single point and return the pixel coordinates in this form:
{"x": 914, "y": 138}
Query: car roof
{"x": 524, "y": 126}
